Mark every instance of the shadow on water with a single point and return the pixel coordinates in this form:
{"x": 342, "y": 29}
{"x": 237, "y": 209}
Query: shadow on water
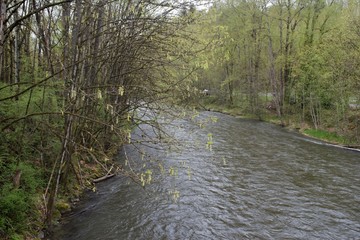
{"x": 260, "y": 181}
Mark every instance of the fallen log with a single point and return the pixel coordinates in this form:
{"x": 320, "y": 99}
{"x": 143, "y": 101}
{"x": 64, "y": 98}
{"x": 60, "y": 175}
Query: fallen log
{"x": 100, "y": 179}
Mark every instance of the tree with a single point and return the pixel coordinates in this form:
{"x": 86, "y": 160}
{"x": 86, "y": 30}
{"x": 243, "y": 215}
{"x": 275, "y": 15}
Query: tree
{"x": 93, "y": 64}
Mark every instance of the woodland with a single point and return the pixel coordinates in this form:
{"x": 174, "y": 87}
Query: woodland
{"x": 74, "y": 73}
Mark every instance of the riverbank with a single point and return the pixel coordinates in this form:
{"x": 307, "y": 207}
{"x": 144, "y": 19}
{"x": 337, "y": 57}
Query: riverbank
{"x": 328, "y": 136}
{"x": 27, "y": 205}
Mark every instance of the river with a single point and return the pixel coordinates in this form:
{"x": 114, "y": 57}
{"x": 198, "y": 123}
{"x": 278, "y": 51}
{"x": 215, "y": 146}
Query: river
{"x": 260, "y": 181}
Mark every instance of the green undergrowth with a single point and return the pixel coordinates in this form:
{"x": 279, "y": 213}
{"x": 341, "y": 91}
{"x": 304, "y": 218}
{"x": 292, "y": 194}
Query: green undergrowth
{"x": 29, "y": 144}
{"x": 18, "y": 204}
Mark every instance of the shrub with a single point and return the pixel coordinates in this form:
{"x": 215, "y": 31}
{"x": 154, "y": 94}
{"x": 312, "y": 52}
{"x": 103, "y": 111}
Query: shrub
{"x": 17, "y": 203}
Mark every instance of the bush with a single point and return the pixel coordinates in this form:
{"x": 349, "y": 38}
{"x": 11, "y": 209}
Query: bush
{"x": 16, "y": 204}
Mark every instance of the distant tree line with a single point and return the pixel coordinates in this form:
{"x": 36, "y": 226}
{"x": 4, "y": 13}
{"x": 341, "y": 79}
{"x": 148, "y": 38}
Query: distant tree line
{"x": 298, "y": 58}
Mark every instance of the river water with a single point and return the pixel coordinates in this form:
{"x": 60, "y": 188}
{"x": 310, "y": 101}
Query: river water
{"x": 260, "y": 181}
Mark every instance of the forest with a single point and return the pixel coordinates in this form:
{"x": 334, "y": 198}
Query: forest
{"x": 74, "y": 73}
{"x": 298, "y": 60}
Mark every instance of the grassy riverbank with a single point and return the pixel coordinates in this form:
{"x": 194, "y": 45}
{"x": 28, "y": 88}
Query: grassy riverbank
{"x": 326, "y": 134}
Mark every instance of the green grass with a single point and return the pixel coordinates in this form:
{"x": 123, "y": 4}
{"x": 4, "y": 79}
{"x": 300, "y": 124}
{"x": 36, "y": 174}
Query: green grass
{"x": 325, "y": 135}
{"x": 353, "y": 100}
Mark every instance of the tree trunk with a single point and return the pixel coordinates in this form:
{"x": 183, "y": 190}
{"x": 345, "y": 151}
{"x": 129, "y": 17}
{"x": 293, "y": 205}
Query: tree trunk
{"x": 229, "y": 70}
{"x": 17, "y": 54}
{"x": 44, "y": 43}
{"x": 3, "y": 8}
{"x": 274, "y": 81}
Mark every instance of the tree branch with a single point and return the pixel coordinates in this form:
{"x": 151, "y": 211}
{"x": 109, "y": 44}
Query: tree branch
{"x": 17, "y": 22}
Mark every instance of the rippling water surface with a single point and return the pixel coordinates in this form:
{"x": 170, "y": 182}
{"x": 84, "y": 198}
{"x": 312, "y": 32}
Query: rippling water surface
{"x": 258, "y": 182}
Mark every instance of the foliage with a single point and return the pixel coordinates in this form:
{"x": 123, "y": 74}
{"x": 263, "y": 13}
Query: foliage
{"x": 305, "y": 54}
{"x": 16, "y": 204}
{"x": 73, "y": 76}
